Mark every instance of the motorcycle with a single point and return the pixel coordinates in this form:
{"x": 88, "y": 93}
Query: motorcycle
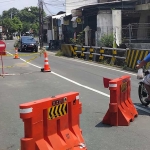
{"x": 142, "y": 92}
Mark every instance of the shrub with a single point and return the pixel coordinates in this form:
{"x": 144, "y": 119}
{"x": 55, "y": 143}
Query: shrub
{"x": 79, "y": 39}
{"x": 107, "y": 40}
{"x": 59, "y": 53}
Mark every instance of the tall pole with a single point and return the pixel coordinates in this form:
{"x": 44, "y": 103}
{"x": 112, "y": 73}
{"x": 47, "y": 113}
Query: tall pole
{"x": 40, "y": 22}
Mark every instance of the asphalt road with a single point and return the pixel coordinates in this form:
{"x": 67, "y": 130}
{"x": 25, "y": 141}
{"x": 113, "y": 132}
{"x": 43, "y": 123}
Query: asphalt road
{"x": 24, "y": 82}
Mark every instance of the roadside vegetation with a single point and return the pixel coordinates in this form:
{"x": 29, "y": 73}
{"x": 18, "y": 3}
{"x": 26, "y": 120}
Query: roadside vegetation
{"x": 20, "y": 21}
{"x": 59, "y": 53}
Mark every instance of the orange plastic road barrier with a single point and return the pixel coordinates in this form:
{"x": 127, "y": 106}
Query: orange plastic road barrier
{"x": 121, "y": 109}
{"x": 52, "y": 123}
{"x": 106, "y": 82}
{"x": 16, "y": 56}
{"x": 46, "y": 64}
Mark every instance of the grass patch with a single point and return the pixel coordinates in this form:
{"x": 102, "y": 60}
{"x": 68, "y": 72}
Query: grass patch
{"x": 59, "y": 53}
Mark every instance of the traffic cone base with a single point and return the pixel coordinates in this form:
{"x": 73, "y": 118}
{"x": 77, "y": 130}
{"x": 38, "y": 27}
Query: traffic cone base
{"x": 43, "y": 70}
{"x": 16, "y": 57}
{"x": 16, "y": 54}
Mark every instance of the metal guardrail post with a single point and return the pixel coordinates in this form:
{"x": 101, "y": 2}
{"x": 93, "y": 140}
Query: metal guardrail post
{"x": 87, "y": 56}
{"x": 91, "y": 55}
{"x": 82, "y": 54}
{"x": 102, "y": 51}
{"x": 99, "y": 53}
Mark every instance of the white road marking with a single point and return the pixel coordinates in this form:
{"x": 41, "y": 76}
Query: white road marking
{"x": 92, "y": 64}
{"x": 84, "y": 86}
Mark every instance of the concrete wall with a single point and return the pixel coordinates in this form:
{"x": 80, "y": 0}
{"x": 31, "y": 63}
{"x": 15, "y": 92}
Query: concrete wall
{"x": 104, "y": 24}
{"x": 117, "y": 25}
{"x": 49, "y": 36}
{"x": 109, "y": 22}
{"x": 139, "y": 45}
{"x": 142, "y": 32}
{"x": 143, "y": 7}
{"x": 73, "y": 4}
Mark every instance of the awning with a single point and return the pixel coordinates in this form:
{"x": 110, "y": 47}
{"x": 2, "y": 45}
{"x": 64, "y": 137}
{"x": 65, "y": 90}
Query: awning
{"x": 74, "y": 19}
{"x": 59, "y": 16}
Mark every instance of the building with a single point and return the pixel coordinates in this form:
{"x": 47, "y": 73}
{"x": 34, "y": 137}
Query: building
{"x": 127, "y": 20}
{"x": 74, "y": 4}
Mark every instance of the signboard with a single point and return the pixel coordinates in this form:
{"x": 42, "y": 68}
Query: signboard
{"x": 1, "y": 29}
{"x": 66, "y": 22}
{"x": 2, "y": 48}
{"x": 76, "y": 12}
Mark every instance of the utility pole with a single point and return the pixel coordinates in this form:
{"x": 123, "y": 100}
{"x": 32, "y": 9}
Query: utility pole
{"x": 40, "y": 23}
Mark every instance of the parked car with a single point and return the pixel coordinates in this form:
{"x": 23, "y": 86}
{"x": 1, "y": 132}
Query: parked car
{"x": 27, "y": 43}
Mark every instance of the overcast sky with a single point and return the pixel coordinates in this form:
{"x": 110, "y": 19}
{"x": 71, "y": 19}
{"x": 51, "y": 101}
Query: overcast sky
{"x": 54, "y": 7}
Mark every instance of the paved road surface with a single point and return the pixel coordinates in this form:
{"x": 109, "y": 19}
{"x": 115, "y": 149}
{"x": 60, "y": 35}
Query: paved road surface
{"x": 26, "y": 83}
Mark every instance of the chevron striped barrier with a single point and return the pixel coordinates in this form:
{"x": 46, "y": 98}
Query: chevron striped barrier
{"x": 52, "y": 123}
{"x": 136, "y": 54}
{"x": 58, "y": 110}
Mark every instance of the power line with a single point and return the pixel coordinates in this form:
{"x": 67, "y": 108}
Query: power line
{"x": 76, "y": 2}
{"x": 54, "y": 4}
{"x": 48, "y": 9}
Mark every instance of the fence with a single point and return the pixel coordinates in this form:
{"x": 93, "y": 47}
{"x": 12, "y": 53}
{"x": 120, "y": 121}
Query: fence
{"x": 113, "y": 56}
{"x": 136, "y": 32}
{"x": 108, "y": 55}
{"x": 131, "y": 33}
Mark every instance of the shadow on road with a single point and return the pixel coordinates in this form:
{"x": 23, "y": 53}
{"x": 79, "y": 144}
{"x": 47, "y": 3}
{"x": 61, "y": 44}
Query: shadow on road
{"x": 144, "y": 110}
{"x": 102, "y": 125}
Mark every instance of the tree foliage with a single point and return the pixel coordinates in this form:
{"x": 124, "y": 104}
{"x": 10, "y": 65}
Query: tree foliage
{"x": 12, "y": 12}
{"x": 14, "y": 20}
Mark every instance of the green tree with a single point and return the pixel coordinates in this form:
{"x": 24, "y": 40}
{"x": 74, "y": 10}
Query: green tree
{"x": 1, "y": 20}
{"x": 30, "y": 19}
{"x": 14, "y": 20}
{"x": 17, "y": 25}
{"x": 29, "y": 16}
{"x": 8, "y": 25}
{"x": 12, "y": 25}
{"x": 25, "y": 26}
{"x": 35, "y": 28}
{"x": 12, "y": 12}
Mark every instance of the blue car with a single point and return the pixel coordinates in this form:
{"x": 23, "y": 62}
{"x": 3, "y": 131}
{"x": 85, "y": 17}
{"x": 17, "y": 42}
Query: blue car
{"x": 28, "y": 43}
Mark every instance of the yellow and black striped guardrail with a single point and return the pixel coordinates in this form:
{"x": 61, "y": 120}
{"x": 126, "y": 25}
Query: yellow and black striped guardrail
{"x": 129, "y": 56}
{"x": 133, "y": 55}
{"x": 57, "y": 111}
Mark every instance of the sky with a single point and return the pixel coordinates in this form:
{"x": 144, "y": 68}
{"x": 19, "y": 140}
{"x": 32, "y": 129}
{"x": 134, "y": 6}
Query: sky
{"x": 53, "y": 6}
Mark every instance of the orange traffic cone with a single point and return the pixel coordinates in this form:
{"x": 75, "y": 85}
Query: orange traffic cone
{"x": 16, "y": 53}
{"x": 46, "y": 64}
